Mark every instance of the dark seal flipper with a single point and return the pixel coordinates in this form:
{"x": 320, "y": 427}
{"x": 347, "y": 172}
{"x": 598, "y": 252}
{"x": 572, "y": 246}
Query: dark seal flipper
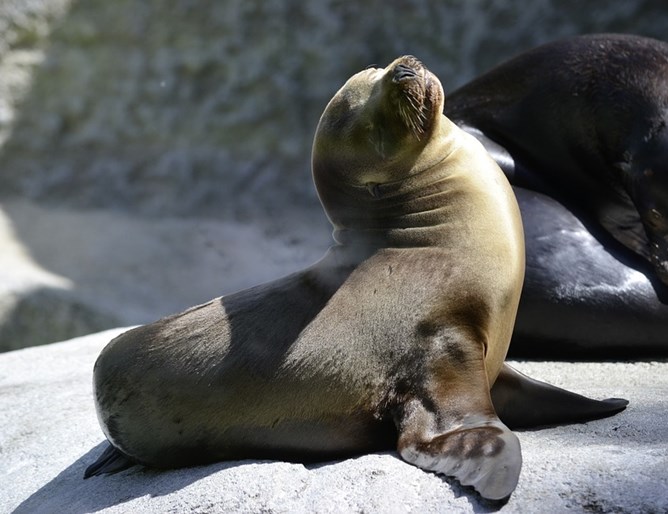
{"x": 522, "y": 402}
{"x": 111, "y": 461}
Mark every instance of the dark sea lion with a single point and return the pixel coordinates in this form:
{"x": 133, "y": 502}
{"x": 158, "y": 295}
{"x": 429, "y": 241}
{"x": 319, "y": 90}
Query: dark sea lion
{"x": 580, "y": 299}
{"x": 392, "y": 340}
{"x": 583, "y": 121}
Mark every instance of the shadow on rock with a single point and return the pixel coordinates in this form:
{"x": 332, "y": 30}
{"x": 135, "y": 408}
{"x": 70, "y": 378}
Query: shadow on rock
{"x": 69, "y": 492}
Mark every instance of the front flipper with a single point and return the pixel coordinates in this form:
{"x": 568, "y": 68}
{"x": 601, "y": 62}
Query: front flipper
{"x": 447, "y": 424}
{"x": 522, "y": 402}
{"x": 480, "y": 452}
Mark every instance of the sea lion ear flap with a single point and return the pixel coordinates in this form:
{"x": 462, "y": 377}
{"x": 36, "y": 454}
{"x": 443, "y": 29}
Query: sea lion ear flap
{"x": 522, "y": 402}
{"x": 377, "y": 139}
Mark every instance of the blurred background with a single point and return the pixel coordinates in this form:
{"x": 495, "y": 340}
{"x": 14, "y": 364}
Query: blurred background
{"x": 156, "y": 154}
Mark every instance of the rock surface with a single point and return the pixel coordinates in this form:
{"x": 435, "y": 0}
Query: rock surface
{"x": 153, "y": 158}
{"x": 49, "y": 434}
{"x": 65, "y": 272}
{"x": 170, "y": 118}
{"x": 208, "y": 108}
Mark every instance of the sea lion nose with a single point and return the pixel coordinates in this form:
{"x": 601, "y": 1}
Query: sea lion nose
{"x": 403, "y": 72}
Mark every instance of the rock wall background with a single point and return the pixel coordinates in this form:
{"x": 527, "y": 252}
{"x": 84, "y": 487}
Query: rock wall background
{"x": 132, "y": 125}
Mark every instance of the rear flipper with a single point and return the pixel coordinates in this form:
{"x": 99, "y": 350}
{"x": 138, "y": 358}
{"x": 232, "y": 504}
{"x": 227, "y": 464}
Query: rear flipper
{"x": 111, "y": 461}
{"x": 522, "y": 402}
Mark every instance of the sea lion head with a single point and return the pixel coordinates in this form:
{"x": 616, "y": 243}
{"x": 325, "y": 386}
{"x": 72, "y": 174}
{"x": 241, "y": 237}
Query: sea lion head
{"x": 650, "y": 195}
{"x": 376, "y": 126}
{"x": 643, "y": 176}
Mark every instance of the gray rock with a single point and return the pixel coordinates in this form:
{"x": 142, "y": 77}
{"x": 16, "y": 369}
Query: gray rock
{"x": 49, "y": 434}
{"x": 35, "y": 316}
{"x": 65, "y": 272}
{"x": 207, "y": 109}
{"x": 161, "y": 111}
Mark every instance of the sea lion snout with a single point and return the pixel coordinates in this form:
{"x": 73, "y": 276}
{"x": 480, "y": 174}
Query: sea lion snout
{"x": 414, "y": 96}
{"x": 403, "y": 72}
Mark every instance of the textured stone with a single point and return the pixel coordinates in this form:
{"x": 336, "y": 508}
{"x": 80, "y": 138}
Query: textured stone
{"x": 49, "y": 434}
{"x": 202, "y": 110}
{"x": 181, "y": 107}
{"x": 66, "y": 272}
{"x": 32, "y": 317}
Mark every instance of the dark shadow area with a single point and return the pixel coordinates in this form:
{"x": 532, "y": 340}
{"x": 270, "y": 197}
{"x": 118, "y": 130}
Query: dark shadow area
{"x": 69, "y": 492}
{"x": 478, "y": 504}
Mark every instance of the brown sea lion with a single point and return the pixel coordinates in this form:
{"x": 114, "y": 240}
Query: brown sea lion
{"x": 393, "y": 339}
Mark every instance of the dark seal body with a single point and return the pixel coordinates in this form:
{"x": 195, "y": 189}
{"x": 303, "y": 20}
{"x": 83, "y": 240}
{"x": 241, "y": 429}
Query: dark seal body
{"x": 393, "y": 339}
{"x": 583, "y": 121}
{"x": 582, "y": 299}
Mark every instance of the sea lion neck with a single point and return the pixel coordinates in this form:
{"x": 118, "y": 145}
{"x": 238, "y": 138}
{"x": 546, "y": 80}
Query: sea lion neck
{"x": 405, "y": 212}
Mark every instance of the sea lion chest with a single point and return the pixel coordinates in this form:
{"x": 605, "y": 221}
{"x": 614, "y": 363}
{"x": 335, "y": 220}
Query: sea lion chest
{"x": 371, "y": 320}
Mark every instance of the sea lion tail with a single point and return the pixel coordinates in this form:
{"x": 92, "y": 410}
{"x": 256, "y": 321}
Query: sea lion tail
{"x": 522, "y": 402}
{"x": 111, "y": 461}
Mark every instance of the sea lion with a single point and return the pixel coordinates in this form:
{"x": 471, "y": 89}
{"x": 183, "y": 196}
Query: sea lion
{"x": 583, "y": 121}
{"x": 393, "y": 339}
{"x": 580, "y": 298}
